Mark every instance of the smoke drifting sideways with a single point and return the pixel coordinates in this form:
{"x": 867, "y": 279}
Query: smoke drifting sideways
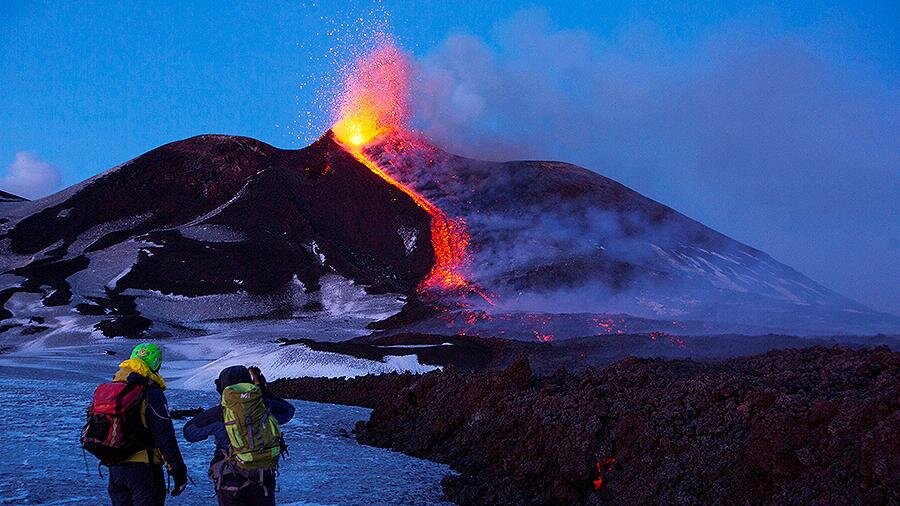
{"x": 553, "y": 237}
{"x": 753, "y": 131}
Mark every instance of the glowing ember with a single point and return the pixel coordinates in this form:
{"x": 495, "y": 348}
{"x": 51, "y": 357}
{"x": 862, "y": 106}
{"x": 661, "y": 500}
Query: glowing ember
{"x": 602, "y": 468}
{"x": 375, "y": 98}
{"x": 374, "y": 104}
{"x": 538, "y": 323}
{"x": 608, "y": 325}
{"x": 540, "y": 336}
{"x": 676, "y": 341}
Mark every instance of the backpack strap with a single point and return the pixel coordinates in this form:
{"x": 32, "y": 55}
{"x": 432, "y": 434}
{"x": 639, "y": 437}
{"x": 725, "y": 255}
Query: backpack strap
{"x": 250, "y": 436}
{"x": 133, "y": 381}
{"x": 262, "y": 482}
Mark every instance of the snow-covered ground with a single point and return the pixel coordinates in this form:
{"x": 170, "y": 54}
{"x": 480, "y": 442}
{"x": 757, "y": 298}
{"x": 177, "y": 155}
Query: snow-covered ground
{"x": 194, "y": 356}
{"x": 43, "y": 412}
{"x": 46, "y": 380}
{"x": 299, "y": 360}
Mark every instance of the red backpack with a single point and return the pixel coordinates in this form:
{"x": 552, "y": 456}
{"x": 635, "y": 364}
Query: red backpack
{"x": 114, "y": 430}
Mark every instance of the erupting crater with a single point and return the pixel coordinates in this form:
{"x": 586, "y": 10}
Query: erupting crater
{"x": 373, "y": 106}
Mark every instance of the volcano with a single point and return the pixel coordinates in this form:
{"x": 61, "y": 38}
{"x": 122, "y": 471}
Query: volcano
{"x": 218, "y": 228}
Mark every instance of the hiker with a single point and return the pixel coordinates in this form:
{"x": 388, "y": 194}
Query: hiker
{"x": 248, "y": 446}
{"x": 129, "y": 429}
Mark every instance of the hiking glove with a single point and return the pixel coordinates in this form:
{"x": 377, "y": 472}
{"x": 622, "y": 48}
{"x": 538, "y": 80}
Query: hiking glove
{"x": 258, "y": 377}
{"x": 181, "y": 481}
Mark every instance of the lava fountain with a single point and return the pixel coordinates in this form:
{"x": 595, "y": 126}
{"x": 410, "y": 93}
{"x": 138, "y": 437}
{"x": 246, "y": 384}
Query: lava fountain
{"x": 375, "y": 104}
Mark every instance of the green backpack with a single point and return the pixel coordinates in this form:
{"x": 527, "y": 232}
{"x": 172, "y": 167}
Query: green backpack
{"x": 255, "y": 437}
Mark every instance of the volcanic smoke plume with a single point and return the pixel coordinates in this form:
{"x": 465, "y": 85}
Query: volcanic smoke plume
{"x": 546, "y": 236}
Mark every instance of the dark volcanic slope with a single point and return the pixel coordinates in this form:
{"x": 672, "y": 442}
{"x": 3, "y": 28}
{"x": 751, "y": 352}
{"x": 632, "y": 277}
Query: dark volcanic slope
{"x": 814, "y": 426}
{"x": 555, "y": 237}
{"x": 219, "y": 215}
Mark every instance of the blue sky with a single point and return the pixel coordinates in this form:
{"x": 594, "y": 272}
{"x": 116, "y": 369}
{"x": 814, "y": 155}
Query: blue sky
{"x": 775, "y": 125}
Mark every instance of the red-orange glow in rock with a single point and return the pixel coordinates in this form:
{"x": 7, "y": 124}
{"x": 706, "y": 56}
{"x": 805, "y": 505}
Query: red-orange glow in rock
{"x": 608, "y": 325}
{"x": 542, "y": 337}
{"x": 602, "y": 468}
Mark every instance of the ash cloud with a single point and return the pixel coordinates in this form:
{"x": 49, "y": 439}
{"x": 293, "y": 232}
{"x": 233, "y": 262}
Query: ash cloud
{"x": 30, "y": 177}
{"x": 757, "y": 132}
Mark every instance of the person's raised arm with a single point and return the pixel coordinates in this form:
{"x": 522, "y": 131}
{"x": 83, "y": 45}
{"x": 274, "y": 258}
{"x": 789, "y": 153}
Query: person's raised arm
{"x": 282, "y": 410}
{"x": 203, "y": 425}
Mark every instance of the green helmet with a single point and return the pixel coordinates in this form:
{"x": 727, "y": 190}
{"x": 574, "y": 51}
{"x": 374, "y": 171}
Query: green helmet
{"x": 150, "y": 354}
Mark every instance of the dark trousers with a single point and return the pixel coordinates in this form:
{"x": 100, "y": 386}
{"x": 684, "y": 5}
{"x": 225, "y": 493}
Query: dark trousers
{"x": 253, "y": 495}
{"x": 136, "y": 484}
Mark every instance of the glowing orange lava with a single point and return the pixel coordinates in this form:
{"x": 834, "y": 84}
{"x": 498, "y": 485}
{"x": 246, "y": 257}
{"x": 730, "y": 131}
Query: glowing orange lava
{"x": 375, "y": 96}
{"x": 602, "y": 468}
{"x": 449, "y": 237}
{"x": 374, "y": 104}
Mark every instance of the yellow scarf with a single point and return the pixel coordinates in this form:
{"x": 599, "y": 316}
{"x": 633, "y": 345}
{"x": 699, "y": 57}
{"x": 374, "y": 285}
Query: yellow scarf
{"x": 137, "y": 365}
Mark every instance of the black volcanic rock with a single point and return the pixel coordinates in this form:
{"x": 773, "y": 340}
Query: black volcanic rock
{"x": 132, "y": 326}
{"x": 813, "y": 426}
{"x": 367, "y": 391}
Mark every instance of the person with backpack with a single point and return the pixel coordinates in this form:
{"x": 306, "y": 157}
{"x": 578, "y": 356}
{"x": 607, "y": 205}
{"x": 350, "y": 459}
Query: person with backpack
{"x": 130, "y": 431}
{"x": 246, "y": 427}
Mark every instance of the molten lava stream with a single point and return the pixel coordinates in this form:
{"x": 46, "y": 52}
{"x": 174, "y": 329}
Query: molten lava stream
{"x": 449, "y": 238}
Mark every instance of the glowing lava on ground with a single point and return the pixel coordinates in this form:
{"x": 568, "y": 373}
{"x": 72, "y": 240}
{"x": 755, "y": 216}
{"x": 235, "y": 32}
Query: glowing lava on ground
{"x": 374, "y": 104}
{"x": 603, "y": 467}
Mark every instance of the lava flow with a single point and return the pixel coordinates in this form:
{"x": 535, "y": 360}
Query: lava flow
{"x": 374, "y": 104}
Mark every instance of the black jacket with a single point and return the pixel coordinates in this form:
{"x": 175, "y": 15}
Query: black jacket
{"x": 156, "y": 416}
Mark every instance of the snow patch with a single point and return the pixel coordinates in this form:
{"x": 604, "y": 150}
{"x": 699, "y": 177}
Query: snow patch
{"x": 295, "y": 361}
{"x": 313, "y": 249}
{"x": 414, "y": 345}
{"x": 298, "y": 294}
{"x": 42, "y": 254}
{"x": 183, "y": 309}
{"x": 112, "y": 282}
{"x": 96, "y": 232}
{"x": 212, "y": 233}
{"x": 409, "y": 235}
{"x": 106, "y": 268}
{"x": 723, "y": 257}
{"x": 10, "y": 281}
{"x": 719, "y": 278}
{"x": 342, "y": 297}
{"x": 787, "y": 294}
